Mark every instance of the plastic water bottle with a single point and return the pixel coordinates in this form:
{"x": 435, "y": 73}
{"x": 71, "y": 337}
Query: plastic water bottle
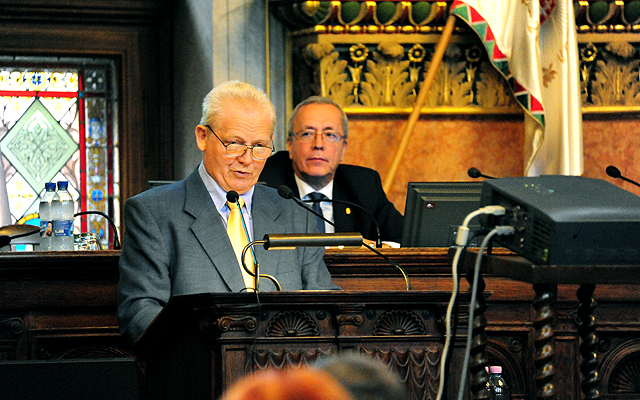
{"x": 62, "y": 210}
{"x": 496, "y": 385}
{"x": 46, "y": 223}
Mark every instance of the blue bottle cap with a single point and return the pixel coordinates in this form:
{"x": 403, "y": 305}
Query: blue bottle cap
{"x": 63, "y": 185}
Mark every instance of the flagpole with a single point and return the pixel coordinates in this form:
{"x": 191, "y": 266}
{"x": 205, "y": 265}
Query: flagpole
{"x": 420, "y": 100}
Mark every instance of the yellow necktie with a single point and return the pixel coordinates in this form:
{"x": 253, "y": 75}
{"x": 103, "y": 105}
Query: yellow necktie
{"x": 239, "y": 240}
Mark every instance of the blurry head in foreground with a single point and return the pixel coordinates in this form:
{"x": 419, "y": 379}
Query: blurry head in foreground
{"x": 366, "y": 378}
{"x": 287, "y": 384}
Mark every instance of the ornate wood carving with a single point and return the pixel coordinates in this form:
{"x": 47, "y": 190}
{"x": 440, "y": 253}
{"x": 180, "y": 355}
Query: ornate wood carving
{"x": 236, "y": 323}
{"x": 399, "y": 322}
{"x": 351, "y": 315}
{"x": 619, "y": 369}
{"x": 417, "y": 368}
{"x": 589, "y": 341}
{"x": 286, "y": 358}
{"x": 478, "y": 357}
{"x": 625, "y": 378}
{"x": 80, "y": 320}
{"x": 544, "y": 373}
{"x": 292, "y": 324}
{"x": 94, "y": 351}
{"x": 14, "y": 325}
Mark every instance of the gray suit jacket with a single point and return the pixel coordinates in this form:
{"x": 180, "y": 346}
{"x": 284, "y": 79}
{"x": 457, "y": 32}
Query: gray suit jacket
{"x": 176, "y": 243}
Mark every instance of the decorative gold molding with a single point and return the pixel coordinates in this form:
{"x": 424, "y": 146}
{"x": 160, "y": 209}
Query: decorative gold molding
{"x": 371, "y": 57}
{"x": 429, "y": 16}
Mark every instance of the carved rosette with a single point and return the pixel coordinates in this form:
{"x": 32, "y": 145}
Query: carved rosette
{"x": 15, "y": 325}
{"x": 625, "y": 378}
{"x": 235, "y": 323}
{"x": 292, "y": 324}
{"x": 399, "y": 322}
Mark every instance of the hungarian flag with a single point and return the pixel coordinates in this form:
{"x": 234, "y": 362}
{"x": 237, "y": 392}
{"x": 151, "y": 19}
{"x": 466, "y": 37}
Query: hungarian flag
{"x": 533, "y": 45}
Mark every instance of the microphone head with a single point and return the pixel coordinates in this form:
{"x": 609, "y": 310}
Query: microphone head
{"x": 613, "y": 172}
{"x": 474, "y": 172}
{"x": 4, "y": 240}
{"x": 284, "y": 191}
{"x": 232, "y": 196}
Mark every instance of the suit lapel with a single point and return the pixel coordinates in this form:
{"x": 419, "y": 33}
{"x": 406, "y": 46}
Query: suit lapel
{"x": 343, "y": 220}
{"x": 264, "y": 215}
{"x": 211, "y": 232}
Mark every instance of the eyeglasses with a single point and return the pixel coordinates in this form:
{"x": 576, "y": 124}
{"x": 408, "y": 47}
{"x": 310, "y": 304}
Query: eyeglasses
{"x": 258, "y": 151}
{"x": 327, "y": 136}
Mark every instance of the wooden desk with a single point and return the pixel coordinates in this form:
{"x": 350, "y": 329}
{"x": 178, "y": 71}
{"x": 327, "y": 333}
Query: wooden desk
{"x": 545, "y": 280}
{"x": 63, "y": 305}
{"x": 200, "y": 344}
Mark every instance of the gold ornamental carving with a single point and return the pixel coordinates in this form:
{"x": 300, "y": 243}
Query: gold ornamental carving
{"x": 385, "y": 77}
{"x": 371, "y": 57}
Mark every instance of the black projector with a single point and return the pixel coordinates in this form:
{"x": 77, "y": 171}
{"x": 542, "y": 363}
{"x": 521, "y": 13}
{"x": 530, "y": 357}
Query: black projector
{"x": 566, "y": 220}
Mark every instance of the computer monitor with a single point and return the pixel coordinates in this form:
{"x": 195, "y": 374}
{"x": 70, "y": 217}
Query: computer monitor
{"x": 153, "y": 184}
{"x": 435, "y": 210}
{"x": 70, "y": 379}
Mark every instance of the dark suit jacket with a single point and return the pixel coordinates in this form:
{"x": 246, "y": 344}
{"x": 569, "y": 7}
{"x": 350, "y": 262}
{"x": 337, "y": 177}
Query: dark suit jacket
{"x": 352, "y": 183}
{"x": 176, "y": 243}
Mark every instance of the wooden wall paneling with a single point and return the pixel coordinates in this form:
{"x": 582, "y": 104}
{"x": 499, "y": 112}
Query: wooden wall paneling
{"x": 137, "y": 36}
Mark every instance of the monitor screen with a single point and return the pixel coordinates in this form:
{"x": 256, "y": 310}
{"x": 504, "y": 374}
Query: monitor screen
{"x": 435, "y": 210}
{"x": 154, "y": 184}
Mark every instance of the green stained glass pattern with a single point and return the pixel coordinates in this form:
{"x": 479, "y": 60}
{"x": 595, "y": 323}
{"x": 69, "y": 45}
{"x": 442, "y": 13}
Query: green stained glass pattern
{"x": 38, "y": 146}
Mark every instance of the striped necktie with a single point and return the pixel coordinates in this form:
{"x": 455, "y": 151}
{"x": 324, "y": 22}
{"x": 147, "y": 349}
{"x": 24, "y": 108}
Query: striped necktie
{"x": 239, "y": 240}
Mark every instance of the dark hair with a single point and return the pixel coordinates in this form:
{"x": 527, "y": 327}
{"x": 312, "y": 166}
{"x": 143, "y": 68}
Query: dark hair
{"x": 366, "y": 378}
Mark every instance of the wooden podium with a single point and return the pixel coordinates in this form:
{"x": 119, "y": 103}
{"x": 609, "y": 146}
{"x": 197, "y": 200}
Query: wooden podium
{"x": 199, "y": 344}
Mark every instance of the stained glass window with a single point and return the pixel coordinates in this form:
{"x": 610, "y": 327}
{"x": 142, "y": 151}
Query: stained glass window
{"x": 58, "y": 123}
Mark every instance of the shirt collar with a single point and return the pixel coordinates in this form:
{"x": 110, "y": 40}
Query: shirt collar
{"x": 217, "y": 193}
{"x": 304, "y": 188}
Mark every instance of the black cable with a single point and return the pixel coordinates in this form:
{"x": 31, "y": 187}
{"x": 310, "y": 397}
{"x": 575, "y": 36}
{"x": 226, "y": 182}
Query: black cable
{"x": 116, "y": 240}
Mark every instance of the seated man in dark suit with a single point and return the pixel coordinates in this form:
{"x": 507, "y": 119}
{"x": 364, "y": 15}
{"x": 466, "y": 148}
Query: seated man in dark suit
{"x": 317, "y": 141}
{"x": 179, "y": 237}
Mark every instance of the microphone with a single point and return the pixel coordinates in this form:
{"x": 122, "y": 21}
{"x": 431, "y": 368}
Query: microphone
{"x": 615, "y": 173}
{"x": 233, "y": 197}
{"x": 288, "y": 241}
{"x": 116, "y": 240}
{"x": 10, "y": 232}
{"x": 285, "y": 191}
{"x": 475, "y": 173}
{"x": 5, "y": 240}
